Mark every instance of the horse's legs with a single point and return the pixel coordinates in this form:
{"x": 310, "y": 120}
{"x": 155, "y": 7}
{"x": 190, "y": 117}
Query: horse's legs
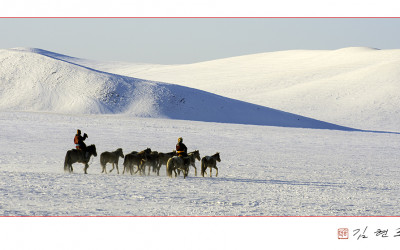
{"x": 216, "y": 175}
{"x": 126, "y": 168}
{"x": 195, "y": 170}
{"x": 210, "y": 171}
{"x": 138, "y": 169}
{"x": 143, "y": 169}
{"x": 113, "y": 166}
{"x": 158, "y": 169}
{"x": 155, "y": 167}
{"x": 86, "y": 167}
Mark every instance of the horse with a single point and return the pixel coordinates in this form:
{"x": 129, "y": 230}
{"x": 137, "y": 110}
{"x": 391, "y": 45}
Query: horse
{"x": 178, "y": 163}
{"x": 196, "y": 154}
{"x": 210, "y": 162}
{"x": 151, "y": 161}
{"x": 110, "y": 157}
{"x": 135, "y": 158}
{"x": 75, "y": 155}
{"x": 163, "y": 159}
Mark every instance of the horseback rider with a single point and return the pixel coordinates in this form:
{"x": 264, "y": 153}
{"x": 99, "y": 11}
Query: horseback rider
{"x": 78, "y": 140}
{"x": 181, "y": 150}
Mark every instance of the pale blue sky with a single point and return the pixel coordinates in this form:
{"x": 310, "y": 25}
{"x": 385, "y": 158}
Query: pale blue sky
{"x": 188, "y": 40}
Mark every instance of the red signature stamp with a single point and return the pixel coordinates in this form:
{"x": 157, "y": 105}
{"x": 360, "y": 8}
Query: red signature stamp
{"x": 343, "y": 233}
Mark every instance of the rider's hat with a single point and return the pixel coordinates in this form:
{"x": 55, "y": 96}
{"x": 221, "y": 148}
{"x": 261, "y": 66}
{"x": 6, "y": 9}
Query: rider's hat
{"x": 78, "y": 131}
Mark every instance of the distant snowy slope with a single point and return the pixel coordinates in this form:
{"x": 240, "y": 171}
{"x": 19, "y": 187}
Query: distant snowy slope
{"x": 33, "y": 82}
{"x": 38, "y": 80}
{"x": 357, "y": 87}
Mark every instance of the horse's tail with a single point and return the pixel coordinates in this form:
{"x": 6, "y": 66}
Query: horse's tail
{"x": 103, "y": 160}
{"x": 203, "y": 167}
{"x": 127, "y": 164}
{"x": 126, "y": 168}
{"x": 67, "y": 162}
{"x": 170, "y": 165}
{"x": 125, "y": 161}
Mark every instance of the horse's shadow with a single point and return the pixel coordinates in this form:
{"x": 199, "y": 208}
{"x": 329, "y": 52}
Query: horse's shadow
{"x": 279, "y": 182}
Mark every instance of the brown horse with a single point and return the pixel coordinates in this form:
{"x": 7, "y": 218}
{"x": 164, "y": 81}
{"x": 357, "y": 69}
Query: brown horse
{"x": 210, "y": 162}
{"x": 110, "y": 157}
{"x": 75, "y": 155}
{"x": 151, "y": 162}
{"x": 135, "y": 158}
{"x": 163, "y": 159}
{"x": 196, "y": 154}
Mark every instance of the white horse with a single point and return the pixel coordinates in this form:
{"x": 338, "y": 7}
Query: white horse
{"x": 179, "y": 163}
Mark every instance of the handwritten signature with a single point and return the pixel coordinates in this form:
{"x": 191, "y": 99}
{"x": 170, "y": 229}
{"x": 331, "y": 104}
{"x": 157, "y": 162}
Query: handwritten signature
{"x": 365, "y": 233}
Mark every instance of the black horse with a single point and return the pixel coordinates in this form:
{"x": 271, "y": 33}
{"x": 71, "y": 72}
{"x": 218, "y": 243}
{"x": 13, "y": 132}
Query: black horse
{"x": 75, "y": 155}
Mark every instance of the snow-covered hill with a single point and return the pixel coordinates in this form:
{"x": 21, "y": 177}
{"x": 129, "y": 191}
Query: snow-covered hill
{"x": 38, "y": 80}
{"x": 357, "y": 87}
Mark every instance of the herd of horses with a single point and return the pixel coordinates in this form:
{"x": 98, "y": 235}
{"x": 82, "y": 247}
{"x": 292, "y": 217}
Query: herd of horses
{"x": 136, "y": 162}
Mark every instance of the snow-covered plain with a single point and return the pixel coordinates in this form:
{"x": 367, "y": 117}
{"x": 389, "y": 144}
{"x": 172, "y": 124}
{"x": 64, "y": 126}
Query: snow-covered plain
{"x": 313, "y": 161}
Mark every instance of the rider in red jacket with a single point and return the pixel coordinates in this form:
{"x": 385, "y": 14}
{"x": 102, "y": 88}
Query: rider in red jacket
{"x": 78, "y": 140}
{"x": 181, "y": 149}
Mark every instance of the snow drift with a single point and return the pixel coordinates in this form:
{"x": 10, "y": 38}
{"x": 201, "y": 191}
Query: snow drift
{"x": 38, "y": 80}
